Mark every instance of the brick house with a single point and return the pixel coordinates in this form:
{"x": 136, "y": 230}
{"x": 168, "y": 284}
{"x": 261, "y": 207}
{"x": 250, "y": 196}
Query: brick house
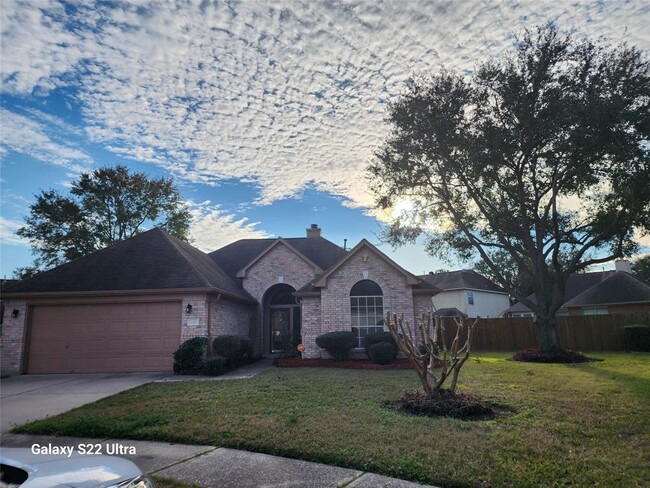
{"x": 598, "y": 293}
{"x": 129, "y": 306}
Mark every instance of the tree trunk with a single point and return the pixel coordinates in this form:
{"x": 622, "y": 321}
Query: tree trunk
{"x": 549, "y": 340}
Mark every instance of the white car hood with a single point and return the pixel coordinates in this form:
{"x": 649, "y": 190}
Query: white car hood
{"x": 77, "y": 471}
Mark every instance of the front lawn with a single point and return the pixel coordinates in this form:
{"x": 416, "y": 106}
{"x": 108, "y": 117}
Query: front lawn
{"x": 577, "y": 425}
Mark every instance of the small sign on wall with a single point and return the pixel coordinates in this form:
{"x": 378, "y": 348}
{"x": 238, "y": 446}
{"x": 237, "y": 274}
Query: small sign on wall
{"x": 192, "y": 321}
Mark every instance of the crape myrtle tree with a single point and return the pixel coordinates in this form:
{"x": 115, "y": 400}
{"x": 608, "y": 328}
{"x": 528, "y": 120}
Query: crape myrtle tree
{"x": 539, "y": 159}
{"x": 103, "y": 207}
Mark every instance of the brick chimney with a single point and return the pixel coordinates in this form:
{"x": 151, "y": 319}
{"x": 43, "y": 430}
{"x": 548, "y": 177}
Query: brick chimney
{"x": 623, "y": 265}
{"x": 313, "y": 231}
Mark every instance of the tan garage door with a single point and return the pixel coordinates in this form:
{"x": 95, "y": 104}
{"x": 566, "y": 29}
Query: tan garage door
{"x": 103, "y": 338}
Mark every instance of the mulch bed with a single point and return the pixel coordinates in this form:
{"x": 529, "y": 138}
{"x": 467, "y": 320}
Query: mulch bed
{"x": 464, "y": 406}
{"x": 536, "y": 356}
{"x": 400, "y": 363}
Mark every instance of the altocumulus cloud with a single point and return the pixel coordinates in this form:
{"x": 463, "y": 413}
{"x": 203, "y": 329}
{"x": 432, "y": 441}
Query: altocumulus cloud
{"x": 283, "y": 94}
{"x": 213, "y": 228}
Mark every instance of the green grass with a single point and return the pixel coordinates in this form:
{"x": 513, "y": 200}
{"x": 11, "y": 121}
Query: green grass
{"x": 162, "y": 482}
{"x": 577, "y": 425}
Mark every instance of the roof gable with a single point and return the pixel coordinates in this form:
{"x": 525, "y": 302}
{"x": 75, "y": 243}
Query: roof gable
{"x": 620, "y": 287}
{"x": 151, "y": 260}
{"x": 278, "y": 242}
{"x": 238, "y": 255}
{"x": 464, "y": 279}
{"x": 321, "y": 281}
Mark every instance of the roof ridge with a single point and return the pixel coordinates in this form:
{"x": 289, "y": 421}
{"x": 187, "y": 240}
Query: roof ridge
{"x": 182, "y": 252}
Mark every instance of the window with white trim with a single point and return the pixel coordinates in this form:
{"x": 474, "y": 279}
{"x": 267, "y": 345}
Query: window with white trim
{"x": 367, "y": 310}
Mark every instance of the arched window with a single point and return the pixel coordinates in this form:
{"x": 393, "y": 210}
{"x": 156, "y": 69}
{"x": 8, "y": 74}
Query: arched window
{"x": 367, "y": 309}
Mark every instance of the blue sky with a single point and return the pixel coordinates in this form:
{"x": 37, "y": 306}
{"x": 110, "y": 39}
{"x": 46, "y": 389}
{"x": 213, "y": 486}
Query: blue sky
{"x": 265, "y": 112}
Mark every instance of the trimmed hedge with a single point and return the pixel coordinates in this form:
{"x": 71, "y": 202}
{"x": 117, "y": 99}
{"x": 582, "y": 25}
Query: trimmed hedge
{"x": 637, "y": 337}
{"x": 229, "y": 348}
{"x": 338, "y": 343}
{"x": 378, "y": 337}
{"x": 382, "y": 352}
{"x": 214, "y": 366}
{"x": 189, "y": 358}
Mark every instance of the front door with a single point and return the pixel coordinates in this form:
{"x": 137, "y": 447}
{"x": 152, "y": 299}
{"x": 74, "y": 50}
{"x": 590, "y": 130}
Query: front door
{"x": 282, "y": 317}
{"x": 280, "y": 329}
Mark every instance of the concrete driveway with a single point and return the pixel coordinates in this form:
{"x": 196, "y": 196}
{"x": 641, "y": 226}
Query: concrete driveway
{"x": 31, "y": 397}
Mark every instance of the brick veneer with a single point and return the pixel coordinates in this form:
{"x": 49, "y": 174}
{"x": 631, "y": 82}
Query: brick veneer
{"x": 331, "y": 311}
{"x": 280, "y": 265}
{"x": 13, "y": 335}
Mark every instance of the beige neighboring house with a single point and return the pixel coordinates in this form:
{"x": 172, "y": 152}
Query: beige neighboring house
{"x": 128, "y": 307}
{"x": 468, "y": 293}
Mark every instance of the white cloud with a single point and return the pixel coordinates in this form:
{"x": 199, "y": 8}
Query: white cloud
{"x": 46, "y": 142}
{"x": 213, "y": 228}
{"x": 282, "y": 94}
{"x": 8, "y": 230}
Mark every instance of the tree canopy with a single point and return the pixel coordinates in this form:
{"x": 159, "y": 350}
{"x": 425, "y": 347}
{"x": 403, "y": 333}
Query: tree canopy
{"x": 641, "y": 268}
{"x": 103, "y": 207}
{"x": 540, "y": 158}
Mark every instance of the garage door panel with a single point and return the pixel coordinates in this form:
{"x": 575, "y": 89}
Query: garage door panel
{"x": 98, "y": 338}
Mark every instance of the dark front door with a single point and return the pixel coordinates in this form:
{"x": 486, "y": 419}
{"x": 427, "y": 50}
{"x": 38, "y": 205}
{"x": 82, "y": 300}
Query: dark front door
{"x": 283, "y": 318}
{"x": 280, "y": 328}
{"x": 285, "y": 329}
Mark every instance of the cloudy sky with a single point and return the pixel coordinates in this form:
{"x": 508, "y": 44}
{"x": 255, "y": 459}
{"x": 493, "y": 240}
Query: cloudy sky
{"x": 265, "y": 112}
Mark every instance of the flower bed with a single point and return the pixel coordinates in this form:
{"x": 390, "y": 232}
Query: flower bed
{"x": 400, "y": 363}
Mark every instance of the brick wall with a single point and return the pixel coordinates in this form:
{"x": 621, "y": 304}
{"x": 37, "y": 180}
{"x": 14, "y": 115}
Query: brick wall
{"x": 421, "y": 305}
{"x": 311, "y": 326}
{"x": 335, "y": 298}
{"x": 279, "y": 265}
{"x": 194, "y": 324}
{"x": 13, "y": 334}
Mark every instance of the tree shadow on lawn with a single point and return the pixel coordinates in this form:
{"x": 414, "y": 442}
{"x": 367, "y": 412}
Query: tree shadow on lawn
{"x": 633, "y": 383}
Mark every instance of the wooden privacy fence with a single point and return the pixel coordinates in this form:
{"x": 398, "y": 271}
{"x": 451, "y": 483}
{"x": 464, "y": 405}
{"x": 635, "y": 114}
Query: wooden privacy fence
{"x": 583, "y": 333}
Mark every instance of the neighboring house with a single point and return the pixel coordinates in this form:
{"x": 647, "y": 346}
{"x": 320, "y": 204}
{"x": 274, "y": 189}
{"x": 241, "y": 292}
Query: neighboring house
{"x": 618, "y": 293}
{"x": 129, "y": 306}
{"x": 598, "y": 293}
{"x": 468, "y": 292}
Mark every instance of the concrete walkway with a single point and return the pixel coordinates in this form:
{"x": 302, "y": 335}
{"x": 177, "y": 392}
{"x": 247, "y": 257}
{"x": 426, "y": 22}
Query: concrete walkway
{"x": 209, "y": 466}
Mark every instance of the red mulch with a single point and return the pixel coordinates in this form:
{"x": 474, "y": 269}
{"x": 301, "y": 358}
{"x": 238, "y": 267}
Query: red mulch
{"x": 400, "y": 363}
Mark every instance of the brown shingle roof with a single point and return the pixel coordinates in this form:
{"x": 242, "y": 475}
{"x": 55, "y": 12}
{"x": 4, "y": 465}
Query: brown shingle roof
{"x": 576, "y": 284}
{"x": 151, "y": 260}
{"x": 464, "y": 279}
{"x": 619, "y": 287}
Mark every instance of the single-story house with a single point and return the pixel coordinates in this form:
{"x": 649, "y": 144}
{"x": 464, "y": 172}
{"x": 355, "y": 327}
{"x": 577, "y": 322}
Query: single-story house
{"x": 471, "y": 293}
{"x": 129, "y": 306}
{"x": 598, "y": 293}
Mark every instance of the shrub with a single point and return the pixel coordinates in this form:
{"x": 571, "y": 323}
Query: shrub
{"x": 424, "y": 350}
{"x": 338, "y": 344}
{"x": 536, "y": 356}
{"x": 228, "y": 347}
{"x": 214, "y": 366}
{"x": 190, "y": 356}
{"x": 382, "y": 352}
{"x": 637, "y": 337}
{"x": 377, "y": 338}
{"x": 246, "y": 349}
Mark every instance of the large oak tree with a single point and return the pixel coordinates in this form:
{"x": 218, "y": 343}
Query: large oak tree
{"x": 103, "y": 207}
{"x": 540, "y": 158}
